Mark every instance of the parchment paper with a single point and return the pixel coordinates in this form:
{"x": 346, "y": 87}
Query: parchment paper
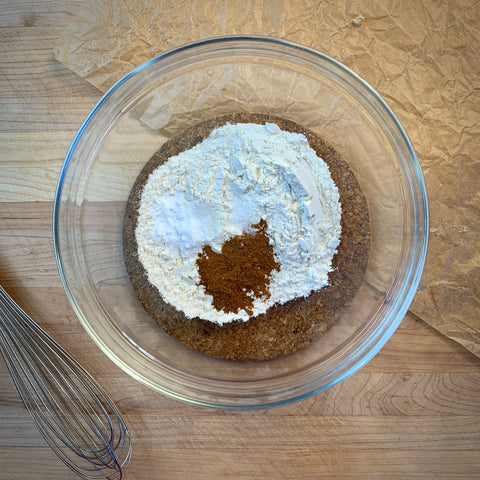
{"x": 423, "y": 58}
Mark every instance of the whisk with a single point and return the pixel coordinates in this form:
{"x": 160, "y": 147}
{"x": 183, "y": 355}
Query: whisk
{"x": 74, "y": 414}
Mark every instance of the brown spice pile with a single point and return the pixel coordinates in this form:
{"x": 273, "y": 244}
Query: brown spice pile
{"x": 241, "y": 272}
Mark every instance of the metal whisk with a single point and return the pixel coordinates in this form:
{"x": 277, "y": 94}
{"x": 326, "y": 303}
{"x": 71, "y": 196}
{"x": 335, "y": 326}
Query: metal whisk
{"x": 74, "y": 414}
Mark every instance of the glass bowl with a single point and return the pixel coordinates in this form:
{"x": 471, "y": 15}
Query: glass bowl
{"x": 202, "y": 80}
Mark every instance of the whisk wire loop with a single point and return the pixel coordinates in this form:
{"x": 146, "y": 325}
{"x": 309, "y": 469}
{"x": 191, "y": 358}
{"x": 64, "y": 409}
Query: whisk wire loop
{"x": 75, "y": 416}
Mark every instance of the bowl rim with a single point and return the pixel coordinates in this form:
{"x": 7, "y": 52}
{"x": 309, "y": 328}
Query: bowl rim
{"x": 414, "y": 273}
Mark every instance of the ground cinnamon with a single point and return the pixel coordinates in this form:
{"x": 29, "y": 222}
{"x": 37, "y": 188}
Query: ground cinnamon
{"x": 241, "y": 272}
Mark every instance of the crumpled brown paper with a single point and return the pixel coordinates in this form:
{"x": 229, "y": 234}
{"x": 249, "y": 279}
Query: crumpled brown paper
{"x": 422, "y": 56}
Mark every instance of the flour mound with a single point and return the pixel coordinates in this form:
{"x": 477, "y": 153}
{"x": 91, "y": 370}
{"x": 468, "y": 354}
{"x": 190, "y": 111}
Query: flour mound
{"x": 240, "y": 174}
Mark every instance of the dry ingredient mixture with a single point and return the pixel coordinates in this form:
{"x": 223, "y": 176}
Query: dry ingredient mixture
{"x": 246, "y": 219}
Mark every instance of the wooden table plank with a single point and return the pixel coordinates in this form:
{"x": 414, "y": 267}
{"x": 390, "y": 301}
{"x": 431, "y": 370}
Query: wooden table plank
{"x": 305, "y": 463}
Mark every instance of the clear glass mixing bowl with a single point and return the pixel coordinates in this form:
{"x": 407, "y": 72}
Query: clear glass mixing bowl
{"x": 176, "y": 90}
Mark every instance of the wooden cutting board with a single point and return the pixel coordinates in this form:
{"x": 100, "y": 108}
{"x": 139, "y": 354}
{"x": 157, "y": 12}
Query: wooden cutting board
{"x": 412, "y": 412}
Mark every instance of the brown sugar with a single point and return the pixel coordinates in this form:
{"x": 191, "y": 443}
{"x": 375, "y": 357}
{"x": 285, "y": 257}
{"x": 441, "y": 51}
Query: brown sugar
{"x": 241, "y": 272}
{"x": 285, "y": 328}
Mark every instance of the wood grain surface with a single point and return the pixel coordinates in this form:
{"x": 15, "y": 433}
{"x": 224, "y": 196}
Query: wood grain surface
{"x": 412, "y": 413}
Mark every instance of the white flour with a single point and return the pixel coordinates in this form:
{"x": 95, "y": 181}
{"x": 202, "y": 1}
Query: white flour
{"x": 239, "y": 175}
